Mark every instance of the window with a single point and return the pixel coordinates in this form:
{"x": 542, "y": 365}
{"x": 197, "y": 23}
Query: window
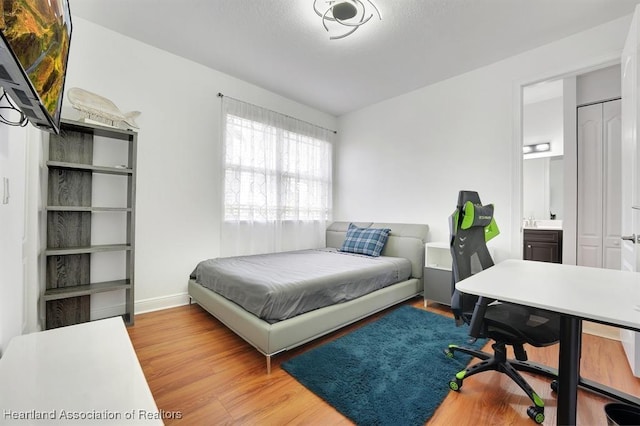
{"x": 276, "y": 168}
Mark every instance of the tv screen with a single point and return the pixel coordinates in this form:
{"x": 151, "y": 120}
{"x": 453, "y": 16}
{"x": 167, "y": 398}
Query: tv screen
{"x": 35, "y": 36}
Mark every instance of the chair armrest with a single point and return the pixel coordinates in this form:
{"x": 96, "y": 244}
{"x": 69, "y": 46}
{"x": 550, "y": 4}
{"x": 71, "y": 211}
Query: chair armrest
{"x": 475, "y": 327}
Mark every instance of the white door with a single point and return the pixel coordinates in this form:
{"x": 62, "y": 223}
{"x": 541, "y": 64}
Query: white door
{"x": 630, "y": 187}
{"x": 611, "y": 201}
{"x": 590, "y": 172}
{"x": 599, "y": 177}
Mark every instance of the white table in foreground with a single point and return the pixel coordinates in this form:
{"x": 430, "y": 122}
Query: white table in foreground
{"x": 81, "y": 374}
{"x": 576, "y": 292}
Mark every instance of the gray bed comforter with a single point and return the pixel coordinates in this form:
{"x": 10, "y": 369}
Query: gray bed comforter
{"x": 278, "y": 286}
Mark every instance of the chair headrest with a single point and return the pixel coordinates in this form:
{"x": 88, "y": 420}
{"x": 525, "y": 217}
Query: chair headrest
{"x": 464, "y": 196}
{"x": 471, "y": 213}
{"x": 476, "y": 215}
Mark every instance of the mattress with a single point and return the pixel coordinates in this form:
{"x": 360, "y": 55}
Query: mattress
{"x": 279, "y": 286}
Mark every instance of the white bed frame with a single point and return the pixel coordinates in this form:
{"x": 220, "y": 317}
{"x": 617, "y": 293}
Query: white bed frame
{"x": 405, "y": 240}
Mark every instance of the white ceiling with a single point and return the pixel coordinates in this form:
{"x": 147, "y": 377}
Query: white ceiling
{"x": 281, "y": 45}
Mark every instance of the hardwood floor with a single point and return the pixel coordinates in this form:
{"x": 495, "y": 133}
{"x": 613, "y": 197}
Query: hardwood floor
{"x": 200, "y": 373}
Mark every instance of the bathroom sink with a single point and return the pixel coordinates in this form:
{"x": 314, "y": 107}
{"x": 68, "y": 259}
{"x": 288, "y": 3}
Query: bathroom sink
{"x": 543, "y": 224}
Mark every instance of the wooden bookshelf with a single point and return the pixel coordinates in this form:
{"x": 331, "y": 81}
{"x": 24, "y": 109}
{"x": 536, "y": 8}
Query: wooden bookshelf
{"x": 70, "y": 251}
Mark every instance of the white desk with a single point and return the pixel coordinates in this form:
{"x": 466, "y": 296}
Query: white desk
{"x": 577, "y": 292}
{"x": 81, "y": 374}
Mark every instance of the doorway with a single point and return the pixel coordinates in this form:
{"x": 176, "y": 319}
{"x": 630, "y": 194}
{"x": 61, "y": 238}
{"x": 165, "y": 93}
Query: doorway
{"x": 542, "y": 156}
{"x": 550, "y": 115}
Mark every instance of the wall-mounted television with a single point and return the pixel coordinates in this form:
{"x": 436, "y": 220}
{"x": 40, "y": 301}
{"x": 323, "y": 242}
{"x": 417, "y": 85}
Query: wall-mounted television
{"x": 35, "y": 36}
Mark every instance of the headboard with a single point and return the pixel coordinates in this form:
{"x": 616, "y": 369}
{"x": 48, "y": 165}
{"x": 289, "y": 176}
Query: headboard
{"x": 405, "y": 240}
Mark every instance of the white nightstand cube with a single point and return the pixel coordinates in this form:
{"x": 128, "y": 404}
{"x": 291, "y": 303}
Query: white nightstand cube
{"x": 437, "y": 273}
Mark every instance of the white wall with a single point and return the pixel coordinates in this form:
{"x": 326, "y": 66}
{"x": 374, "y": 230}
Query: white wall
{"x": 13, "y": 142}
{"x": 570, "y": 166}
{"x": 405, "y": 159}
{"x": 542, "y": 122}
{"x": 178, "y": 197}
{"x": 599, "y": 85}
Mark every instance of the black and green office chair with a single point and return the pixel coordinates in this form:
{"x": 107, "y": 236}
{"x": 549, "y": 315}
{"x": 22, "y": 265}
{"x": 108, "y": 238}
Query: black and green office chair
{"x": 471, "y": 226}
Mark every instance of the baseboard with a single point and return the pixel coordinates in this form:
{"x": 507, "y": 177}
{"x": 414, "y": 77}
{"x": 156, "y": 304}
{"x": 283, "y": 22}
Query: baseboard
{"x": 601, "y": 330}
{"x": 164, "y": 302}
{"x": 142, "y": 306}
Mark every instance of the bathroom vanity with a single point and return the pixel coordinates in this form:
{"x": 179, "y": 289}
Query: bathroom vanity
{"x": 542, "y": 241}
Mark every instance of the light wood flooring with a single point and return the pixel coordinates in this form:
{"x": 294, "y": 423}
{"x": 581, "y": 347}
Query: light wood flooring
{"x": 204, "y": 374}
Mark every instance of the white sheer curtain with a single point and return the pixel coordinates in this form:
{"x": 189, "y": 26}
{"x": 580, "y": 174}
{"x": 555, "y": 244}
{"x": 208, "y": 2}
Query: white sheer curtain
{"x": 277, "y": 181}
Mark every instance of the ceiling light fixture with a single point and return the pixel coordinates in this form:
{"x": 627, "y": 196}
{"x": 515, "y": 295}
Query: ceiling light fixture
{"x": 344, "y": 17}
{"x": 535, "y": 148}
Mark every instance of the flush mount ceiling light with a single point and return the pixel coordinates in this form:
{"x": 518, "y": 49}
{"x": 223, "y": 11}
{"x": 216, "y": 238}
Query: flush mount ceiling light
{"x": 344, "y": 17}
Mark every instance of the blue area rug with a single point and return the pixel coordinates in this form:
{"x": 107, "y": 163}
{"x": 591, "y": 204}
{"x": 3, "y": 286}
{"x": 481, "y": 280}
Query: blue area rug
{"x": 389, "y": 372}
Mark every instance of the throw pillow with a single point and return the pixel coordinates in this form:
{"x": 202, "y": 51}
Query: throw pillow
{"x": 369, "y": 241}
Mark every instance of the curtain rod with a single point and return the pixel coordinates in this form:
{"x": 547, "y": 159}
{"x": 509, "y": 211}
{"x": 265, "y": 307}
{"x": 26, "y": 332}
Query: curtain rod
{"x": 221, "y": 95}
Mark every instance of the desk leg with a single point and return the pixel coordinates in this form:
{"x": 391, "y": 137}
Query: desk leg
{"x": 569, "y": 369}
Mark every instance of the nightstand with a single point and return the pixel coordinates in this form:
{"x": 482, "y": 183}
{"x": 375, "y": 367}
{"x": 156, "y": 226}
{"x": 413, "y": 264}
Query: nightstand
{"x": 437, "y": 273}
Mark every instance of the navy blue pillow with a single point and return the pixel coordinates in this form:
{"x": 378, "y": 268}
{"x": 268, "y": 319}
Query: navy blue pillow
{"x": 369, "y": 241}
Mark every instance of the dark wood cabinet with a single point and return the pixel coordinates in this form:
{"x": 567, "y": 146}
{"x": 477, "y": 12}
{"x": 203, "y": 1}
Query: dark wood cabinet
{"x": 544, "y": 245}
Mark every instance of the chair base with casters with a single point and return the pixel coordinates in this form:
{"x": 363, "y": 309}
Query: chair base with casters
{"x": 511, "y": 367}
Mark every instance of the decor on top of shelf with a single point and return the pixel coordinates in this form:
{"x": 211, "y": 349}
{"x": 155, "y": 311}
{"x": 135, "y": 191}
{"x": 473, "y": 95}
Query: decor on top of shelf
{"x": 101, "y": 109}
{"x": 345, "y": 17}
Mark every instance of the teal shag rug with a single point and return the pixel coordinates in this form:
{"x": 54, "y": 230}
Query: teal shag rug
{"x": 389, "y": 372}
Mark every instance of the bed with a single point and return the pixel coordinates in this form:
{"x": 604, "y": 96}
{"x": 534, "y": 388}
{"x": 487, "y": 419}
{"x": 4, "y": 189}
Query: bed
{"x": 271, "y": 335}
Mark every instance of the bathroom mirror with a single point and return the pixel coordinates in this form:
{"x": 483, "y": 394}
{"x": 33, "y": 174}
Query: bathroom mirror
{"x": 542, "y": 180}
